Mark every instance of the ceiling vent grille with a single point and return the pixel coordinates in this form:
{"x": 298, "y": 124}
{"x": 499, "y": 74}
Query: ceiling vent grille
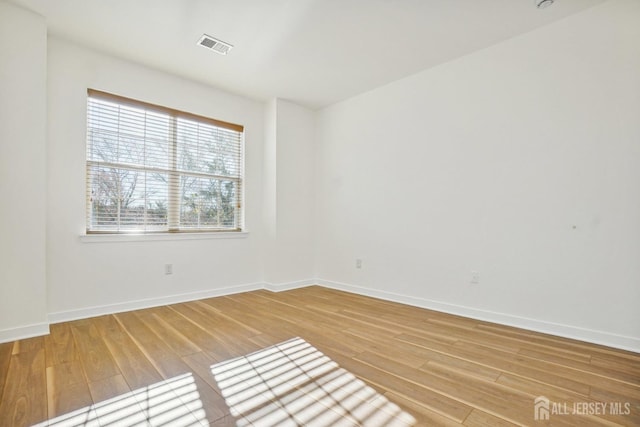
{"x": 218, "y": 46}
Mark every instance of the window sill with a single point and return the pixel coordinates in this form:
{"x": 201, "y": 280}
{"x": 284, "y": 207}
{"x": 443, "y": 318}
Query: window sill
{"x": 110, "y": 238}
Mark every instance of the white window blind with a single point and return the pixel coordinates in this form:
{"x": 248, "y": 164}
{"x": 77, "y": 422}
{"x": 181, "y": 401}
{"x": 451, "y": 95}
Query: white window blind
{"x": 154, "y": 169}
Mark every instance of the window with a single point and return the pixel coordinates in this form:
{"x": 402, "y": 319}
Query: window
{"x": 152, "y": 169}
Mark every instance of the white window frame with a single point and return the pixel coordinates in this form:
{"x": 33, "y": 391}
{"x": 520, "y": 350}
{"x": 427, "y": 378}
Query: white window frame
{"x": 173, "y": 172}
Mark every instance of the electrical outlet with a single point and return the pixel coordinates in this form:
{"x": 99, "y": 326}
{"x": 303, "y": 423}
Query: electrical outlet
{"x": 359, "y": 263}
{"x": 168, "y": 269}
{"x": 475, "y": 277}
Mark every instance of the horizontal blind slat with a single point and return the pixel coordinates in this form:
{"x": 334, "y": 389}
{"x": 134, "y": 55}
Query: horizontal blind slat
{"x": 133, "y": 151}
{"x": 108, "y": 97}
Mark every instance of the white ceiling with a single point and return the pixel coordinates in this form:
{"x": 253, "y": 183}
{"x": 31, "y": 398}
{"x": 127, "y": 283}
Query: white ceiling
{"x": 313, "y": 52}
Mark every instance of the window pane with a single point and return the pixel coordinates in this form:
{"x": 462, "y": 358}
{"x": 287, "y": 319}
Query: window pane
{"x": 157, "y": 197}
{"x": 157, "y": 140}
{"x": 127, "y": 200}
{"x": 208, "y": 203}
{"x": 127, "y": 135}
{"x": 150, "y": 168}
{"x": 103, "y": 145}
{"x": 131, "y": 199}
{"x": 208, "y": 149}
{"x": 131, "y": 150}
{"x": 104, "y": 198}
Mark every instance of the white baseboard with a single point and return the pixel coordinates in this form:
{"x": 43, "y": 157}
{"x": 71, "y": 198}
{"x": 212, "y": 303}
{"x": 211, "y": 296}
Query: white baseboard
{"x": 22, "y": 332}
{"x": 566, "y": 331}
{"x": 83, "y": 313}
{"x": 279, "y": 287}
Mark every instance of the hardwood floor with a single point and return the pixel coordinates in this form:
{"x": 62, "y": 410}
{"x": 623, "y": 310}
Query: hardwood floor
{"x": 154, "y": 366}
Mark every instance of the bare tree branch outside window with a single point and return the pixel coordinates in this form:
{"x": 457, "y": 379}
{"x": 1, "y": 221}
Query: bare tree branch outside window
{"x": 129, "y": 164}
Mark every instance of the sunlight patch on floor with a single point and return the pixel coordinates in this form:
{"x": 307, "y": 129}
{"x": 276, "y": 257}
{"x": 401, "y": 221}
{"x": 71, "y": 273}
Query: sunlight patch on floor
{"x": 174, "y": 402}
{"x": 292, "y": 383}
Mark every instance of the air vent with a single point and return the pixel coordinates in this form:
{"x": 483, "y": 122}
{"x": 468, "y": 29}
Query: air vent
{"x": 218, "y": 46}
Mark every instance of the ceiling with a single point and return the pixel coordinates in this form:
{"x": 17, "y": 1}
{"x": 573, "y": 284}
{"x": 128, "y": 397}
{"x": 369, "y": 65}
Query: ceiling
{"x": 313, "y": 52}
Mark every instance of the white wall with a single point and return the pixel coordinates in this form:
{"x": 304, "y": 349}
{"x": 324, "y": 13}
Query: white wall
{"x": 485, "y": 163}
{"x": 23, "y": 74}
{"x": 520, "y": 161}
{"x": 289, "y": 190}
{"x": 83, "y": 275}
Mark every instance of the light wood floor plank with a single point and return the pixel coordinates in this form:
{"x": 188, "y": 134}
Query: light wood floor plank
{"x": 108, "y": 388}
{"x": 24, "y": 401}
{"x": 222, "y": 334}
{"x": 5, "y": 358}
{"x": 627, "y": 375}
{"x": 131, "y": 361}
{"x": 160, "y": 355}
{"x": 94, "y": 354}
{"x": 478, "y": 418}
{"x": 200, "y": 398}
{"x": 470, "y": 392}
{"x": 59, "y": 345}
{"x": 27, "y": 345}
{"x": 559, "y": 395}
{"x": 438, "y": 368}
{"x": 177, "y": 341}
{"x": 67, "y": 388}
{"x": 423, "y": 415}
{"x": 407, "y": 388}
{"x": 503, "y": 361}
